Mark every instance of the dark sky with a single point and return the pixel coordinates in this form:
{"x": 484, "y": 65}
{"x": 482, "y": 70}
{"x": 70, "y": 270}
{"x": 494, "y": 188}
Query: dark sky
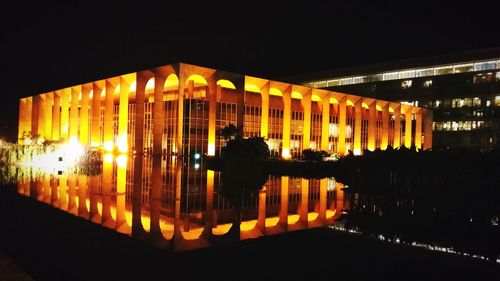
{"x": 48, "y": 45}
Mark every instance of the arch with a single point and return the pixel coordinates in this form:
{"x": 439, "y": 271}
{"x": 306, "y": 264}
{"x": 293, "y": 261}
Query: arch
{"x": 296, "y": 95}
{"x": 150, "y": 86}
{"x": 364, "y": 105}
{"x": 334, "y": 101}
{"x": 275, "y": 92}
{"x": 391, "y": 110}
{"x": 252, "y": 88}
{"x": 172, "y": 82}
{"x": 350, "y": 103}
{"x": 133, "y": 86}
{"x": 226, "y": 84}
{"x": 315, "y": 98}
{"x": 197, "y": 79}
{"x": 91, "y": 94}
{"x": 117, "y": 89}
{"x": 379, "y": 108}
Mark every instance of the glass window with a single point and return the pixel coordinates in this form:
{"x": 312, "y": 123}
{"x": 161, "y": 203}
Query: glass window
{"x": 497, "y": 76}
{"x": 424, "y": 72}
{"x": 427, "y": 83}
{"x": 459, "y": 68}
{"x": 488, "y": 103}
{"x": 476, "y": 101}
{"x": 487, "y": 65}
{"x": 437, "y": 103}
{"x": 406, "y": 84}
{"x": 483, "y": 77}
{"x": 497, "y": 101}
{"x": 443, "y": 70}
{"x": 457, "y": 103}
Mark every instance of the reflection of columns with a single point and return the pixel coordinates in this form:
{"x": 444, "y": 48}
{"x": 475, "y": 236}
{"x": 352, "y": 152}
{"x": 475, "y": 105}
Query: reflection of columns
{"x": 264, "y": 114}
{"x": 108, "y": 118}
{"x": 408, "y": 117}
{"x": 63, "y": 192}
{"x": 304, "y": 201}
{"x": 212, "y": 94}
{"x": 95, "y": 134}
{"x": 342, "y": 126}
{"x": 372, "y": 125}
{"x": 155, "y": 198}
{"x": 48, "y": 115}
{"x": 137, "y": 228}
{"x": 261, "y": 215}
{"x": 427, "y": 128}
{"x": 397, "y": 127}
{"x": 54, "y": 196}
{"x": 64, "y": 113}
{"x": 82, "y": 196}
{"x": 358, "y": 111}
{"x": 418, "y": 129}
{"x": 73, "y": 114}
{"x": 322, "y": 200}
{"x": 287, "y": 116}
{"x": 94, "y": 210}
{"x": 325, "y": 122}
{"x": 123, "y": 116}
{"x": 56, "y": 116}
{"x": 209, "y": 208}
{"x": 384, "y": 141}
{"x": 306, "y": 104}
{"x": 72, "y": 207}
{"x": 283, "y": 215}
{"x": 121, "y": 185}
{"x": 158, "y": 112}
{"x": 46, "y": 188}
{"x": 107, "y": 189}
{"x": 84, "y": 116}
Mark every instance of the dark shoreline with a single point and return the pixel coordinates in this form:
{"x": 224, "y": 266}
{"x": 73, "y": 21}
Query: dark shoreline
{"x": 68, "y": 248}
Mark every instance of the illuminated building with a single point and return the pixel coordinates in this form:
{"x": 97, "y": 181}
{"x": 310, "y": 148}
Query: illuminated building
{"x": 463, "y": 91}
{"x": 144, "y": 111}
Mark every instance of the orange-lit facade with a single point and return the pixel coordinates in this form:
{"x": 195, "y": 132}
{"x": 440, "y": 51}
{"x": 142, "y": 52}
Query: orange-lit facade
{"x": 180, "y": 109}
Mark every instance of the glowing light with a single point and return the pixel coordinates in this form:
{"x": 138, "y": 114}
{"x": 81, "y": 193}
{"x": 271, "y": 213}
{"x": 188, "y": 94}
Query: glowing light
{"x": 108, "y": 146}
{"x": 226, "y": 84}
{"x": 172, "y": 81}
{"x": 270, "y": 222}
{"x": 94, "y": 144}
{"x": 293, "y": 219}
{"x": 197, "y": 79}
{"x": 296, "y": 95}
{"x": 334, "y": 101}
{"x": 150, "y": 85}
{"x": 312, "y": 216}
{"x": 275, "y": 92}
{"x": 252, "y": 88}
{"x": 108, "y": 158}
{"x": 364, "y": 105}
{"x": 196, "y": 166}
{"x": 27, "y": 141}
{"x": 379, "y": 108}
{"x": 391, "y": 110}
{"x": 117, "y": 89}
{"x": 349, "y": 103}
{"x": 315, "y": 98}
{"x": 197, "y": 156}
{"x": 286, "y": 153}
{"x": 211, "y": 149}
{"x": 330, "y": 213}
{"x": 357, "y": 151}
{"x": 122, "y": 144}
{"x": 248, "y": 225}
{"x": 121, "y": 161}
{"x": 221, "y": 229}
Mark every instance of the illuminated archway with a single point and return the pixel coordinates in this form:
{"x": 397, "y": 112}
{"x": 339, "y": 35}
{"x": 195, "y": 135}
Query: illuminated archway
{"x": 296, "y": 95}
{"x": 226, "y": 84}
{"x": 349, "y": 103}
{"x": 275, "y": 92}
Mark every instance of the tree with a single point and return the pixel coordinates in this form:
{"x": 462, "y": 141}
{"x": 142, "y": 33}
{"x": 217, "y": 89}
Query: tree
{"x": 230, "y": 132}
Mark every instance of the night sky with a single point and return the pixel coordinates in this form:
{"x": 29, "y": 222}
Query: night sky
{"x": 47, "y": 45}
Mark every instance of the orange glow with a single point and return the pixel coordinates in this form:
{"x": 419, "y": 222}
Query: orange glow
{"x": 391, "y": 110}
{"x": 286, "y": 153}
{"x": 357, "y": 151}
{"x": 211, "y": 149}
{"x": 296, "y": 95}
{"x": 364, "y": 105}
{"x": 108, "y": 158}
{"x": 293, "y": 219}
{"x": 226, "y": 84}
{"x": 330, "y": 213}
{"x": 312, "y": 216}
{"x": 222, "y": 229}
{"x": 334, "y": 101}
{"x": 379, "y": 108}
{"x": 349, "y": 103}
{"x": 252, "y": 88}
{"x": 117, "y": 89}
{"x": 270, "y": 222}
{"x": 275, "y": 92}
{"x": 171, "y": 82}
{"x": 248, "y": 225}
{"x": 197, "y": 79}
{"x": 121, "y": 161}
{"x": 150, "y": 86}
{"x": 192, "y": 234}
{"x": 315, "y": 98}
{"x": 103, "y": 93}
{"x": 108, "y": 146}
{"x": 122, "y": 144}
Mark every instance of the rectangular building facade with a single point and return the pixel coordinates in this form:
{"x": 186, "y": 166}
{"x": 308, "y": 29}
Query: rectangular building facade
{"x": 180, "y": 109}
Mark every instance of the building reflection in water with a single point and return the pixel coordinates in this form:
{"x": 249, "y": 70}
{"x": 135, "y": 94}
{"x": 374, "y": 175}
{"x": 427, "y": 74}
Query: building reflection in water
{"x": 177, "y": 205}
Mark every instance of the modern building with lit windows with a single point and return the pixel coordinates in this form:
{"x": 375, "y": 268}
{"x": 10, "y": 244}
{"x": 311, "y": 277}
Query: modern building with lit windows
{"x": 180, "y": 108}
{"x": 463, "y": 91}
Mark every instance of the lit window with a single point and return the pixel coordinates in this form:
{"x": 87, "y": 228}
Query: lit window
{"x": 497, "y": 101}
{"x": 488, "y": 103}
{"x": 406, "y": 84}
{"x": 476, "y": 101}
{"x": 427, "y": 83}
{"x": 437, "y": 103}
{"x": 454, "y": 126}
{"x": 497, "y": 76}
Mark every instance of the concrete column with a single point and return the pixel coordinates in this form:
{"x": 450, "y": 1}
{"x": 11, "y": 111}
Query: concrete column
{"x": 72, "y": 207}
{"x": 108, "y": 117}
{"x": 84, "y": 116}
{"x": 180, "y": 113}
{"x": 65, "y": 114}
{"x": 385, "y": 127}
{"x": 212, "y": 89}
{"x": 325, "y": 122}
{"x": 418, "y": 129}
{"x": 264, "y": 117}
{"x": 287, "y": 119}
{"x": 155, "y": 198}
{"x": 41, "y": 117}
{"x": 121, "y": 187}
{"x": 240, "y": 102}
{"x": 303, "y": 209}
{"x": 322, "y": 201}
{"x": 372, "y": 126}
{"x": 96, "y": 115}
{"x": 73, "y": 114}
{"x": 342, "y": 126}
{"x": 427, "y": 128}
{"x": 63, "y": 192}
{"x": 56, "y": 117}
{"x": 358, "y": 111}
{"x": 158, "y": 115}
{"x": 306, "y": 104}
{"x": 54, "y": 195}
{"x": 46, "y": 189}
{"x": 122, "y": 141}
{"x": 35, "y": 109}
{"x": 142, "y": 80}
{"x": 408, "y": 115}
{"x": 107, "y": 190}
{"x": 283, "y": 215}
{"x": 397, "y": 127}
{"x": 49, "y": 101}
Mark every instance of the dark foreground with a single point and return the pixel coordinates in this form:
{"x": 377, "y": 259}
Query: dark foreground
{"x": 53, "y": 245}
